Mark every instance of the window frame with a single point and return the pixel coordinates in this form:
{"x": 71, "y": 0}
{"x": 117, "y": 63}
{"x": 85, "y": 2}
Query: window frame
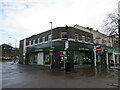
{"x": 63, "y": 33}
{"x": 30, "y": 43}
{"x": 43, "y": 39}
{"x": 38, "y": 40}
{"x": 76, "y": 36}
{"x": 89, "y": 39}
{"x": 49, "y": 37}
{"x": 83, "y": 40}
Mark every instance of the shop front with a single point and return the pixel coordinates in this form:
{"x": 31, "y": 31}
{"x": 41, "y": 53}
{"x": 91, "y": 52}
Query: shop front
{"x": 76, "y": 54}
{"x": 105, "y": 57}
{"x": 83, "y": 53}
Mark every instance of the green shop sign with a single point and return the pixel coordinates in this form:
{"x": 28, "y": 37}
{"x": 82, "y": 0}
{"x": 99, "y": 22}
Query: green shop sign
{"x": 84, "y": 49}
{"x": 35, "y": 50}
{"x": 80, "y": 48}
{"x": 107, "y": 50}
{"x": 38, "y": 50}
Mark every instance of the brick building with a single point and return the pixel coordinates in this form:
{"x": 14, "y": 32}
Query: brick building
{"x": 8, "y": 52}
{"x": 35, "y": 49}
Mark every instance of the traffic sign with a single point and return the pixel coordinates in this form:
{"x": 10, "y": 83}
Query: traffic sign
{"x": 98, "y": 49}
{"x": 99, "y": 53}
{"x": 51, "y": 51}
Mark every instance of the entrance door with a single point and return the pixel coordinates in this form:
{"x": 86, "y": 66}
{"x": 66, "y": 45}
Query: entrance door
{"x": 40, "y": 58}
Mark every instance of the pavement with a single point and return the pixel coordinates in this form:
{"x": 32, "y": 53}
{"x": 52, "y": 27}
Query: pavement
{"x": 16, "y": 75}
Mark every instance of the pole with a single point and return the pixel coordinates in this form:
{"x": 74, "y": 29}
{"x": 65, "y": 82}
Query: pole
{"x": 107, "y": 58}
{"x": 67, "y": 41}
{"x": 51, "y": 47}
{"x": 94, "y": 56}
{"x": 67, "y": 64}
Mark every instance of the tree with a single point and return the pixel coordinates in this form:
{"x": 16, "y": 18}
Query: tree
{"x": 112, "y": 27}
{"x": 112, "y": 23}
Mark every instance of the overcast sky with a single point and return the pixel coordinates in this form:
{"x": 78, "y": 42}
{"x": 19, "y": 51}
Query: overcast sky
{"x": 21, "y": 19}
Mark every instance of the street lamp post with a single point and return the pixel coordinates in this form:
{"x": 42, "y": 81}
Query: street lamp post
{"x": 51, "y": 47}
{"x": 15, "y": 47}
{"x": 66, "y": 46}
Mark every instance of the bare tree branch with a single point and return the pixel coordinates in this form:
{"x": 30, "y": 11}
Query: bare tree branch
{"x": 111, "y": 23}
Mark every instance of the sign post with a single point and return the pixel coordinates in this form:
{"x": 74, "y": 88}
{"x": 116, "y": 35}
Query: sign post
{"x": 51, "y": 53}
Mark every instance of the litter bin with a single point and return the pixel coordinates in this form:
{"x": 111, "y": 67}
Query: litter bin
{"x": 67, "y": 66}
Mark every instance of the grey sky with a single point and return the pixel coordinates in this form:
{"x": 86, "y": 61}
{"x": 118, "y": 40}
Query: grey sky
{"x": 21, "y": 19}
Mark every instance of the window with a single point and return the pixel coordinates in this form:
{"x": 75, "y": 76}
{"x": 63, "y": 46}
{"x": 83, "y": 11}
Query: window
{"x": 97, "y": 41}
{"x": 29, "y": 42}
{"x": 109, "y": 43}
{"x": 88, "y": 39}
{"x": 49, "y": 37}
{"x": 76, "y": 37}
{"x": 83, "y": 38}
{"x": 43, "y": 39}
{"x": 64, "y": 35}
{"x": 104, "y": 42}
{"x": 38, "y": 40}
{"x": 33, "y": 41}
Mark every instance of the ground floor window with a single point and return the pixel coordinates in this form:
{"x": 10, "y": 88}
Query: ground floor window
{"x": 86, "y": 59}
{"x": 82, "y": 58}
{"x": 47, "y": 59}
{"x": 33, "y": 59}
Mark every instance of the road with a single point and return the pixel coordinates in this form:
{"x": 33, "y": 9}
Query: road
{"x": 34, "y": 76}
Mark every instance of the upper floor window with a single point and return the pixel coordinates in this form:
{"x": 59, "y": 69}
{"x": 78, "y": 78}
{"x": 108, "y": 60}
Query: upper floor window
{"x": 83, "y": 38}
{"x": 29, "y": 42}
{"x": 49, "y": 38}
{"x": 88, "y": 39}
{"x": 109, "y": 43}
{"x": 76, "y": 36}
{"x": 97, "y": 41}
{"x": 104, "y": 42}
{"x": 64, "y": 35}
{"x": 43, "y": 39}
{"x": 38, "y": 40}
{"x": 33, "y": 41}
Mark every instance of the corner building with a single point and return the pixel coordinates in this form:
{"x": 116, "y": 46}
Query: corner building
{"x": 35, "y": 49}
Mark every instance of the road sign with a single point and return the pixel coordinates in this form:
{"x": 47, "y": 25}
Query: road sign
{"x": 51, "y": 51}
{"x": 98, "y": 49}
{"x": 99, "y": 53}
